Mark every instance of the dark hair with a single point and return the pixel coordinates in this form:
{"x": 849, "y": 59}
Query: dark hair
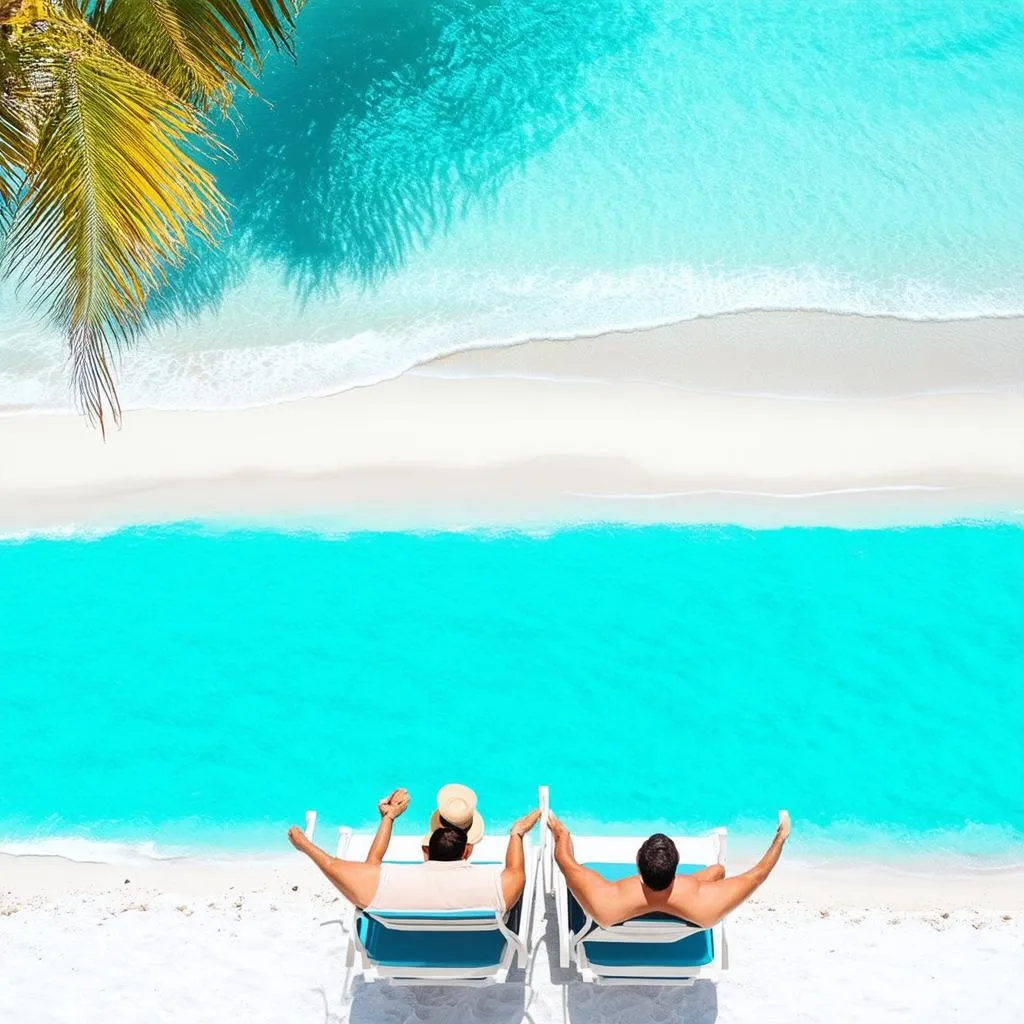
{"x": 447, "y": 843}
{"x": 657, "y": 862}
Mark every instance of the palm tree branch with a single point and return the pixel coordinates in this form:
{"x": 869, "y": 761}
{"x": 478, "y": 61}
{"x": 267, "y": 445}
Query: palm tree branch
{"x": 110, "y": 199}
{"x": 199, "y": 49}
{"x": 16, "y": 135}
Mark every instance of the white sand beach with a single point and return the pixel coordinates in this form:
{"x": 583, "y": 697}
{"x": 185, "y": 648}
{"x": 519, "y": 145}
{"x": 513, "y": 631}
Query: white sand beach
{"x": 760, "y": 418}
{"x": 258, "y": 942}
{"x": 767, "y": 418}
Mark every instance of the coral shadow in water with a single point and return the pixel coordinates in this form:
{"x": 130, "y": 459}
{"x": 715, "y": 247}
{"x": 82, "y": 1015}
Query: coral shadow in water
{"x": 394, "y": 119}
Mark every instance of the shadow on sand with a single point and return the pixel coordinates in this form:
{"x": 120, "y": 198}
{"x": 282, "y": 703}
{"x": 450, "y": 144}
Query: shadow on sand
{"x": 530, "y": 997}
{"x": 382, "y": 1002}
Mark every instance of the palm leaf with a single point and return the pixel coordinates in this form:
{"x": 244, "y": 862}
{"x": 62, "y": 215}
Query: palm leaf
{"x": 199, "y": 49}
{"x": 16, "y": 137}
{"x": 109, "y": 202}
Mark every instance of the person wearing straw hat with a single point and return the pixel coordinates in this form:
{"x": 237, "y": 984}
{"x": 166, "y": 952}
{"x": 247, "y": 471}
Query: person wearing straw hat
{"x": 456, "y": 808}
{"x": 446, "y": 880}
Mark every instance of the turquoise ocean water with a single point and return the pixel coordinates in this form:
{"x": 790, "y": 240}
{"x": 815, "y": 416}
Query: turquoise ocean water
{"x": 429, "y": 175}
{"x": 199, "y": 688}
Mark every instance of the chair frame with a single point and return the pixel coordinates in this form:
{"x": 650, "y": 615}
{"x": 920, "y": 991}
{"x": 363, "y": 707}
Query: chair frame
{"x": 403, "y": 849}
{"x": 708, "y": 849}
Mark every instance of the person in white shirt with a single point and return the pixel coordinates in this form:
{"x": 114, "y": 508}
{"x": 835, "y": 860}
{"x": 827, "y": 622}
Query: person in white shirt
{"x": 445, "y": 881}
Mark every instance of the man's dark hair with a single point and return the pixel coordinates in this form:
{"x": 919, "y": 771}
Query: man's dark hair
{"x": 657, "y": 862}
{"x": 447, "y": 843}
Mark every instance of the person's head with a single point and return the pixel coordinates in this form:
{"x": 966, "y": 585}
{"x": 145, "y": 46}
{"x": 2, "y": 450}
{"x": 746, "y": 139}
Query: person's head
{"x": 657, "y": 861}
{"x": 456, "y": 805}
{"x": 448, "y": 843}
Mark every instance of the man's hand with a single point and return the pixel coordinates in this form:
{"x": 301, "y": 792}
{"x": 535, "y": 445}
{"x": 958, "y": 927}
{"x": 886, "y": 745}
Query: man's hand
{"x": 782, "y": 833}
{"x": 525, "y": 823}
{"x": 558, "y": 830}
{"x": 392, "y": 806}
{"x": 563, "y": 841}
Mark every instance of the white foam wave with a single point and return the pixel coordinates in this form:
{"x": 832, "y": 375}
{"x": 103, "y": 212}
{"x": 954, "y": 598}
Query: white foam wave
{"x": 973, "y": 848}
{"x": 87, "y": 851}
{"x": 263, "y": 346}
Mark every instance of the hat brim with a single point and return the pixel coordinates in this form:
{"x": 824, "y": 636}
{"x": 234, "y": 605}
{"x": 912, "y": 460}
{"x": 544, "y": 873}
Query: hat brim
{"x": 474, "y": 833}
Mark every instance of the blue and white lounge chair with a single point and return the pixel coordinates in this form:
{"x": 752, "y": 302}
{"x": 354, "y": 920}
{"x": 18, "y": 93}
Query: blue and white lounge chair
{"x": 655, "y": 949}
{"x": 466, "y": 947}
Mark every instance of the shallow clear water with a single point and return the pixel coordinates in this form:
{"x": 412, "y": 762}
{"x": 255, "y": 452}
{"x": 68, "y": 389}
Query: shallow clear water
{"x": 200, "y": 688}
{"x": 435, "y": 174}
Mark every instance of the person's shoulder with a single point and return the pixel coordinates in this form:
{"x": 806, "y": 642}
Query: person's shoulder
{"x": 683, "y": 890}
{"x": 361, "y": 867}
{"x": 631, "y": 883}
{"x": 628, "y": 891}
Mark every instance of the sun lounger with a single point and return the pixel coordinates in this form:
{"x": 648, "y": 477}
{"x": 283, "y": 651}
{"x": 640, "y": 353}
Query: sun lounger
{"x": 475, "y": 946}
{"x": 651, "y": 950}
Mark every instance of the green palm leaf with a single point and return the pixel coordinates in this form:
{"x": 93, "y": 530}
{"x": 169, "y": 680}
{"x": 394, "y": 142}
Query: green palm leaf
{"x": 16, "y": 138}
{"x": 199, "y": 49}
{"x": 111, "y": 197}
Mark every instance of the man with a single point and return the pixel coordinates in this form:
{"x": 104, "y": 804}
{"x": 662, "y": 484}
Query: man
{"x": 703, "y": 898}
{"x": 445, "y": 881}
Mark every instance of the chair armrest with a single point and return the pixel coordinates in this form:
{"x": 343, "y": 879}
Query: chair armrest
{"x": 562, "y": 915}
{"x": 547, "y": 855}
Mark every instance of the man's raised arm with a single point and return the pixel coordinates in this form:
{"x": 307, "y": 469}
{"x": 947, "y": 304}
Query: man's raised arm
{"x": 594, "y": 893}
{"x": 711, "y": 901}
{"x": 513, "y": 878}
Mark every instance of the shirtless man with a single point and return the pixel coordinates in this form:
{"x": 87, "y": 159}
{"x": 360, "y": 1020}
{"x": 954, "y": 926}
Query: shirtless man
{"x": 358, "y": 881}
{"x": 703, "y": 898}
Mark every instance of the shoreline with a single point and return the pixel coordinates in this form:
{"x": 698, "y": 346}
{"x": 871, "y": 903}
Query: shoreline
{"x": 801, "y": 355}
{"x": 38, "y": 880}
{"x": 958, "y": 354}
{"x": 665, "y": 426}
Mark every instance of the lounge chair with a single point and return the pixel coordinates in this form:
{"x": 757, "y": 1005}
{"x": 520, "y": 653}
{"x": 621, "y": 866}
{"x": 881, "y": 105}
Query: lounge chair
{"x": 655, "y": 949}
{"x": 466, "y": 947}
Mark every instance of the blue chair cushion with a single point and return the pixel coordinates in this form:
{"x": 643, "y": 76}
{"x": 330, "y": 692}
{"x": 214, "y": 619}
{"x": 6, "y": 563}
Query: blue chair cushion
{"x": 693, "y": 951}
{"x": 392, "y": 948}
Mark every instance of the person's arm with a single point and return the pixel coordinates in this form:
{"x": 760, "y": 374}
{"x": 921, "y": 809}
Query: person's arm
{"x": 355, "y": 880}
{"x": 390, "y": 808}
{"x": 513, "y": 878}
{"x": 594, "y": 893}
{"x": 709, "y": 902}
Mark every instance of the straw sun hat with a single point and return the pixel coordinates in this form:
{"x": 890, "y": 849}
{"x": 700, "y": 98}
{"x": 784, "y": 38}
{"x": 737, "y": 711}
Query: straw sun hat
{"x": 457, "y": 805}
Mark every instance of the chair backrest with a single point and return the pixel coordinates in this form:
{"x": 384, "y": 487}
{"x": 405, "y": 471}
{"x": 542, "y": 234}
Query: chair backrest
{"x": 480, "y": 920}
{"x": 512, "y": 926}
{"x": 642, "y": 929}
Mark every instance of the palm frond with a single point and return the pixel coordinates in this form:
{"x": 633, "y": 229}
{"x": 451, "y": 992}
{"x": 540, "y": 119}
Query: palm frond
{"x": 16, "y": 136}
{"x": 110, "y": 199}
{"x": 199, "y": 49}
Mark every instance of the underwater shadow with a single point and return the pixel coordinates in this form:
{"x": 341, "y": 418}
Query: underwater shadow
{"x": 395, "y": 118}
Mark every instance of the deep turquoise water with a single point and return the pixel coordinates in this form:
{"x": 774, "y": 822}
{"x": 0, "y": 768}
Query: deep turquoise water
{"x": 203, "y": 688}
{"x": 434, "y": 174}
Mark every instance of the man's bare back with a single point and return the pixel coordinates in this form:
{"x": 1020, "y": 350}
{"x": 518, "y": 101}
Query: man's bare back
{"x": 703, "y": 898}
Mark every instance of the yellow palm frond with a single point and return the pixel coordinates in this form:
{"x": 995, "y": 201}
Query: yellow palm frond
{"x": 16, "y": 137}
{"x": 199, "y": 49}
{"x": 112, "y": 195}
